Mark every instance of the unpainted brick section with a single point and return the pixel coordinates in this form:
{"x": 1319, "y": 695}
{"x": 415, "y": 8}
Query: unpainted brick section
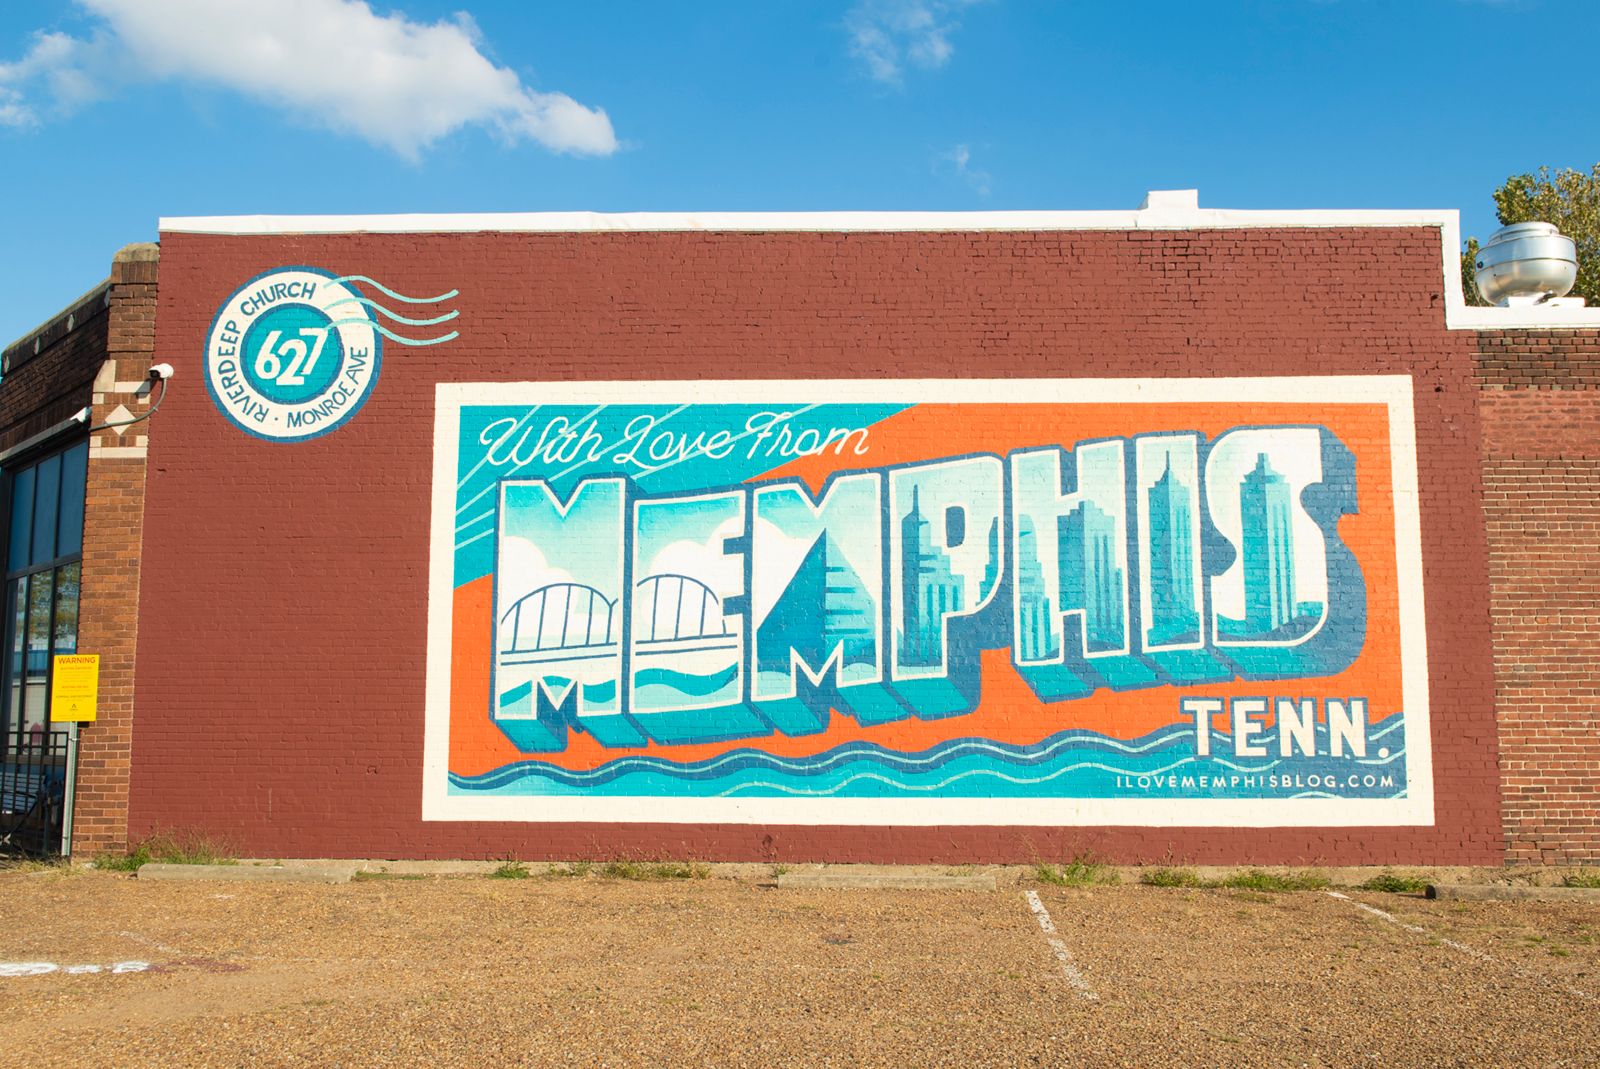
{"x": 283, "y": 622}
{"x": 48, "y": 388}
{"x": 112, "y": 552}
{"x": 1539, "y": 359}
{"x": 1541, "y": 429}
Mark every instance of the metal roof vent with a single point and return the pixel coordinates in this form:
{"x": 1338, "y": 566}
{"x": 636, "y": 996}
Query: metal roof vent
{"x": 1526, "y": 263}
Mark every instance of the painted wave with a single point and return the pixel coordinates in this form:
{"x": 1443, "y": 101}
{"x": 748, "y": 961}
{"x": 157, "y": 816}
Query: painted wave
{"x": 368, "y": 320}
{"x": 1070, "y": 764}
{"x": 666, "y": 688}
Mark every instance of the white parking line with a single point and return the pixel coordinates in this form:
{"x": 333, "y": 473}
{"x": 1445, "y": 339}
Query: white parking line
{"x": 1057, "y": 947}
{"x": 1470, "y": 951}
{"x": 15, "y": 969}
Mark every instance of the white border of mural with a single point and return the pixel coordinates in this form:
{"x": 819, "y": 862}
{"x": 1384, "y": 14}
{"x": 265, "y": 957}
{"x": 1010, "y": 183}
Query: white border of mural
{"x": 1392, "y": 391}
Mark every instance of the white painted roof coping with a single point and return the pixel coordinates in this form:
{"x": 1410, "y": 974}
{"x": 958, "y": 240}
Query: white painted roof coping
{"x": 1176, "y": 201}
{"x": 1168, "y": 209}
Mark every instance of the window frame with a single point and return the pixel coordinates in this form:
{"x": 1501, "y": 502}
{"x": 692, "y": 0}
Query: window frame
{"x": 19, "y": 581}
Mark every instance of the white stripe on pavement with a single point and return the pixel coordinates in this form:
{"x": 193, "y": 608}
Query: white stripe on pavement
{"x": 1471, "y": 952}
{"x": 1057, "y": 947}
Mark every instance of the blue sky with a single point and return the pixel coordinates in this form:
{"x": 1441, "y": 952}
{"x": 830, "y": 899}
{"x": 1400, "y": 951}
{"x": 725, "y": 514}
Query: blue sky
{"x": 115, "y": 112}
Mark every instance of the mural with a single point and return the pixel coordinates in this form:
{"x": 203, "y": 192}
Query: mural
{"x": 1069, "y": 601}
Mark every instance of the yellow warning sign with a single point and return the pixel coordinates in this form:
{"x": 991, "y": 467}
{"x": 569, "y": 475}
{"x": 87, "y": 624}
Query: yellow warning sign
{"x": 74, "y": 686}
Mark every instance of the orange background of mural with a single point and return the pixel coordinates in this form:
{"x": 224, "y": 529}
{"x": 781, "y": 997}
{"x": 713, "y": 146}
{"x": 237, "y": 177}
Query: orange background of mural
{"x": 1007, "y": 710}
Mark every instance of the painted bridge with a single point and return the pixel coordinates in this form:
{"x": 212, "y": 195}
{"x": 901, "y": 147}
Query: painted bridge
{"x": 569, "y": 621}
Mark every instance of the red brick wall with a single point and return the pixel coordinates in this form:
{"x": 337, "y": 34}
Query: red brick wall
{"x": 280, "y": 671}
{"x": 1541, "y": 477}
{"x": 112, "y": 552}
{"x": 84, "y": 352}
{"x": 40, "y": 390}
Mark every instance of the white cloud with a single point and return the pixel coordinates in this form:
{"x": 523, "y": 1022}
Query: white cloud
{"x": 704, "y": 561}
{"x": 887, "y": 35}
{"x": 55, "y": 60}
{"x": 335, "y": 63}
{"x": 523, "y": 568}
{"x": 13, "y": 112}
{"x": 959, "y": 159}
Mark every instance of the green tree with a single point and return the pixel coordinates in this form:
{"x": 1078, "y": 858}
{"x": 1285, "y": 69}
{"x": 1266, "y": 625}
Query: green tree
{"x": 1569, "y": 199}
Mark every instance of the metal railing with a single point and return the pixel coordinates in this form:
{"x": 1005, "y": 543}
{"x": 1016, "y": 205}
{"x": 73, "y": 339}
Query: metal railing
{"x": 34, "y": 774}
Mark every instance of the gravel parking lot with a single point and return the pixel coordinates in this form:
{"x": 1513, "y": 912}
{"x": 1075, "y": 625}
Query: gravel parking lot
{"x": 607, "y": 972}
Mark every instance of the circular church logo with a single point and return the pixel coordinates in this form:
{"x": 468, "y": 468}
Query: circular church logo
{"x": 293, "y": 354}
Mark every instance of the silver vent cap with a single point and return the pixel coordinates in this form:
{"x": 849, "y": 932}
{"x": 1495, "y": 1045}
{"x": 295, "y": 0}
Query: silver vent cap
{"x": 1526, "y": 260}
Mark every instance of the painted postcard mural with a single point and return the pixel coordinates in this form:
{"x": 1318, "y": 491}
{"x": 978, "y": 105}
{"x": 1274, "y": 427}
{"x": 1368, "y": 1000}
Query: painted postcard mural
{"x": 966, "y": 602}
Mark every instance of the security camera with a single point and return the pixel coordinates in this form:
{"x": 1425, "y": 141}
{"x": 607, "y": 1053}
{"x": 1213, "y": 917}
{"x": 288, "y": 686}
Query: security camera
{"x": 160, "y": 371}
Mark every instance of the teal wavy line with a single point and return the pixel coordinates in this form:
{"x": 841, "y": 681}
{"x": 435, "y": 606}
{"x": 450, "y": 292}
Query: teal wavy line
{"x": 823, "y": 762}
{"x": 805, "y": 766}
{"x": 996, "y": 774}
{"x": 991, "y": 773}
{"x": 374, "y": 283}
{"x": 375, "y": 306}
{"x": 387, "y": 333}
{"x": 1398, "y": 724}
{"x": 684, "y": 683}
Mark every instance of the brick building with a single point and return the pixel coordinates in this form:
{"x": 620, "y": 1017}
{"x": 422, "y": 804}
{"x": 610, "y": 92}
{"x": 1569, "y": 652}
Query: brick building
{"x": 1232, "y": 537}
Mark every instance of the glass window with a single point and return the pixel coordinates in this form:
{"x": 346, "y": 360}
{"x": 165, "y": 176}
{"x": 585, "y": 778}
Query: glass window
{"x": 21, "y": 518}
{"x": 46, "y": 496}
{"x": 16, "y": 617}
{"x": 74, "y": 469}
{"x": 36, "y": 669}
{"x": 39, "y": 613}
{"x": 65, "y": 636}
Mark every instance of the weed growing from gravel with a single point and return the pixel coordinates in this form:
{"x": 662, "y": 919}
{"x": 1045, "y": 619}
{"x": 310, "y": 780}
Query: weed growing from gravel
{"x": 170, "y": 848}
{"x": 676, "y": 870}
{"x": 1257, "y": 880}
{"x": 1395, "y": 884}
{"x": 128, "y": 862}
{"x": 1081, "y": 871}
{"x": 36, "y": 865}
{"x": 510, "y": 870}
{"x": 1246, "y": 880}
{"x": 623, "y": 870}
{"x": 370, "y": 877}
{"x": 657, "y": 870}
{"x": 1170, "y": 877}
{"x": 1582, "y": 878}
{"x": 573, "y": 869}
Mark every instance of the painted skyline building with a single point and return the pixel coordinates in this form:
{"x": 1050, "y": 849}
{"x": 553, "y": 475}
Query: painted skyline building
{"x": 824, "y": 606}
{"x": 1091, "y": 578}
{"x": 1035, "y": 633}
{"x": 1266, "y": 524}
{"x": 930, "y": 589}
{"x": 1174, "y": 616}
